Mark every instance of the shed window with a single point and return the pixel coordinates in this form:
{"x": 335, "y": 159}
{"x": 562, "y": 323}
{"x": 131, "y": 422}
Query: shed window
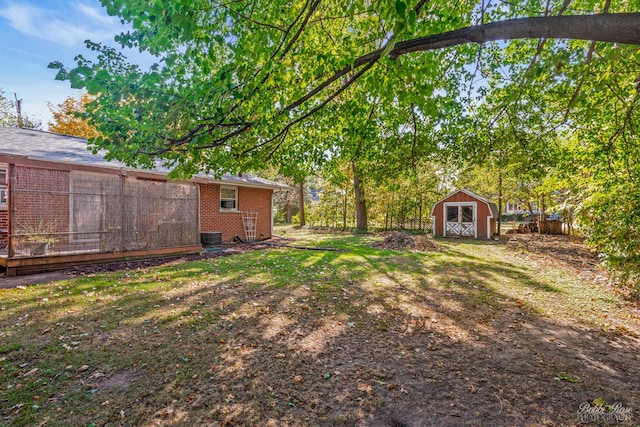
{"x": 452, "y": 214}
{"x": 467, "y": 214}
{"x": 3, "y": 188}
{"x": 228, "y": 198}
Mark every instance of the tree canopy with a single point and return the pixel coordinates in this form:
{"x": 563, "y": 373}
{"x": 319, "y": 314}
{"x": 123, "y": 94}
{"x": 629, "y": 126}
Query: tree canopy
{"x": 69, "y": 117}
{"x": 539, "y": 91}
{"x": 234, "y": 79}
{"x": 9, "y": 114}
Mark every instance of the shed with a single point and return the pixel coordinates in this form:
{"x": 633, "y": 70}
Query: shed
{"x": 62, "y": 205}
{"x": 463, "y": 213}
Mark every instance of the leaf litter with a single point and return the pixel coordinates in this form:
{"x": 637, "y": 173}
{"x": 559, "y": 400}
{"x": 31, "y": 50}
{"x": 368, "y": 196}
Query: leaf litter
{"x": 458, "y": 351}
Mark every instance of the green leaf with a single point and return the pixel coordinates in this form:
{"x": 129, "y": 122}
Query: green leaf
{"x": 93, "y": 87}
{"x": 401, "y": 8}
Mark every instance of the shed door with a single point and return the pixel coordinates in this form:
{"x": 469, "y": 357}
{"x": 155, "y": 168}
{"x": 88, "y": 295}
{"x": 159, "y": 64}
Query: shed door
{"x": 460, "y": 221}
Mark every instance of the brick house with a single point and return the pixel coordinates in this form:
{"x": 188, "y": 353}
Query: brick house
{"x": 463, "y": 213}
{"x": 61, "y": 205}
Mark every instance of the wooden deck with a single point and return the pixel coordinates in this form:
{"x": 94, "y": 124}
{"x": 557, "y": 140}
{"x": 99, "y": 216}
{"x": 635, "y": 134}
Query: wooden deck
{"x": 21, "y": 266}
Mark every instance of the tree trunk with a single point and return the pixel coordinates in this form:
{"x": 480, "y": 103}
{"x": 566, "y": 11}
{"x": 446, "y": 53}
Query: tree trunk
{"x": 499, "y": 219}
{"x": 534, "y": 218}
{"x": 391, "y": 211}
{"x": 301, "y": 203}
{"x": 289, "y": 212}
{"x": 386, "y": 218}
{"x": 344, "y": 210}
{"x": 361, "y": 206}
{"x": 420, "y": 215}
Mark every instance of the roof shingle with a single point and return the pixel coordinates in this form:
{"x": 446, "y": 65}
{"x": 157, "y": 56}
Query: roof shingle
{"x": 42, "y": 145}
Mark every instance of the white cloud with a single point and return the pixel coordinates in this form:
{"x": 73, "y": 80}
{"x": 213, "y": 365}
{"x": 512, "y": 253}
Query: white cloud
{"x": 97, "y": 15}
{"x": 85, "y": 22}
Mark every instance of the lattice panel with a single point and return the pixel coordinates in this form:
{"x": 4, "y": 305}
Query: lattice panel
{"x": 453, "y": 229}
{"x": 467, "y": 229}
{"x": 65, "y": 212}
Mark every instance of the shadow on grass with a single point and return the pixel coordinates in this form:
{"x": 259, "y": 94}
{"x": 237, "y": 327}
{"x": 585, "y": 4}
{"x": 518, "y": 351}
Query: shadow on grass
{"x": 287, "y": 337}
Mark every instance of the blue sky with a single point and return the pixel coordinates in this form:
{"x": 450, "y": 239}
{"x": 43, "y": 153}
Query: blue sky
{"x": 34, "y": 33}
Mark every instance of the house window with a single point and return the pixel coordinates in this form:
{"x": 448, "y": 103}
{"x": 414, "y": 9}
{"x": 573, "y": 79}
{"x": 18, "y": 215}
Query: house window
{"x": 228, "y": 198}
{"x": 4, "y": 193}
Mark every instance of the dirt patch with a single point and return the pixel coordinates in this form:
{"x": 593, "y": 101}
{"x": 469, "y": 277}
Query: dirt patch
{"x": 566, "y": 249}
{"x": 119, "y": 380}
{"x": 402, "y": 241}
{"x": 559, "y": 250}
{"x": 32, "y": 279}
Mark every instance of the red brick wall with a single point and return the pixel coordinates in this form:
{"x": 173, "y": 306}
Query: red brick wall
{"x": 40, "y": 195}
{"x": 230, "y": 223}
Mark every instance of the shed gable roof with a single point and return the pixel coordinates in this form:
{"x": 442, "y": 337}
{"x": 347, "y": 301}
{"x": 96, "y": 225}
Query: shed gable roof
{"x": 492, "y": 206}
{"x": 53, "y": 147}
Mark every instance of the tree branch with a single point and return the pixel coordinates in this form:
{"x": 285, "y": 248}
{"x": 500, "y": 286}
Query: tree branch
{"x": 612, "y": 28}
{"x": 315, "y": 109}
{"x": 248, "y": 18}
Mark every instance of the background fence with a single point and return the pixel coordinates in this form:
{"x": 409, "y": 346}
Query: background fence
{"x": 64, "y": 212}
{"x": 422, "y": 224}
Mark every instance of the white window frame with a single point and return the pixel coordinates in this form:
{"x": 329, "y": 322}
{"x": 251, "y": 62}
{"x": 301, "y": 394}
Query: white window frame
{"x": 235, "y": 200}
{"x": 4, "y": 188}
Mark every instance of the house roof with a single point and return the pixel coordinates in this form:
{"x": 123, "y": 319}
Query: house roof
{"x": 492, "y": 206}
{"x": 53, "y": 147}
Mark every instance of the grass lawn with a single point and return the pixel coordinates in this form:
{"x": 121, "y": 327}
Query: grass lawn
{"x": 477, "y": 333}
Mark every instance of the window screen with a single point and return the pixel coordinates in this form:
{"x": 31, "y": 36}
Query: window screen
{"x": 452, "y": 214}
{"x": 467, "y": 214}
{"x": 228, "y": 198}
{"x": 3, "y": 186}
